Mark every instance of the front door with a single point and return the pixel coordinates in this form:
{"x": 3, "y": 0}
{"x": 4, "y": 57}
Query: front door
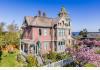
{"x": 33, "y": 48}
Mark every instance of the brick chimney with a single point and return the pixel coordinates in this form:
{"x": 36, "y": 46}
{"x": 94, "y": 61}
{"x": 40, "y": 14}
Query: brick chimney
{"x": 39, "y": 13}
{"x": 44, "y": 14}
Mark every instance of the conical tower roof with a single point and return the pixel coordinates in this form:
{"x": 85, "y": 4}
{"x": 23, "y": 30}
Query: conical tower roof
{"x": 62, "y": 12}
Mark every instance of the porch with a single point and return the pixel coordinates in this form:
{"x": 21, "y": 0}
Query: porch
{"x": 29, "y": 47}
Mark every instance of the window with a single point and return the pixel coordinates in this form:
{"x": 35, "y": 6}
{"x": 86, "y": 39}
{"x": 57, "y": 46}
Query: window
{"x": 69, "y": 31}
{"x": 61, "y": 44}
{"x": 61, "y": 32}
{"x": 45, "y": 45}
{"x": 66, "y": 24}
{"x": 64, "y": 32}
{"x": 69, "y": 23}
{"x": 58, "y": 23}
{"x": 58, "y": 43}
{"x": 63, "y": 22}
{"x": 45, "y": 32}
{"x": 39, "y": 31}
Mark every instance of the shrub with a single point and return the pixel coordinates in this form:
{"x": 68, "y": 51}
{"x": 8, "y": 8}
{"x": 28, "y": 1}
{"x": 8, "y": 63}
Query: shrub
{"x": 55, "y": 56}
{"x": 58, "y": 57}
{"x": 51, "y": 55}
{"x": 0, "y": 53}
{"x": 89, "y": 65}
{"x": 21, "y": 58}
{"x": 32, "y": 61}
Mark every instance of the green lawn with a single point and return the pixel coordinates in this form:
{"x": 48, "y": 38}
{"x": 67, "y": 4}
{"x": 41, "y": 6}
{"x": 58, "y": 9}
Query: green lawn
{"x": 9, "y": 60}
{"x": 97, "y": 51}
{"x": 89, "y": 65}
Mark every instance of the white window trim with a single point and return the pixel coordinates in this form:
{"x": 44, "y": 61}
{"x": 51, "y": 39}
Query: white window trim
{"x": 61, "y": 32}
{"x": 46, "y": 45}
{"x": 45, "y": 32}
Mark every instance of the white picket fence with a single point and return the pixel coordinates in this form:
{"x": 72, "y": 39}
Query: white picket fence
{"x": 60, "y": 63}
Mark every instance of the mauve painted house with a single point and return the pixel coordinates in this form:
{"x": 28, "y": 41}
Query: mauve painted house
{"x": 42, "y": 34}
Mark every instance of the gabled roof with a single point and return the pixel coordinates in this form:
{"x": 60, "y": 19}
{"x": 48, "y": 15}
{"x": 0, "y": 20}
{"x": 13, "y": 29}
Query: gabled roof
{"x": 93, "y": 34}
{"x": 41, "y": 21}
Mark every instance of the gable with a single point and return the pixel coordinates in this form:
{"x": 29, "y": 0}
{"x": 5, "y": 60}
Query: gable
{"x": 25, "y": 23}
{"x": 63, "y": 22}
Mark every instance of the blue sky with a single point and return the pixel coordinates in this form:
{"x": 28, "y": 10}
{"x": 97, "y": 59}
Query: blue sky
{"x": 83, "y": 13}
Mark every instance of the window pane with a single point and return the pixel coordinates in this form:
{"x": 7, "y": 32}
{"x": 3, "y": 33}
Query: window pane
{"x": 45, "y": 45}
{"x": 45, "y": 32}
{"x": 69, "y": 23}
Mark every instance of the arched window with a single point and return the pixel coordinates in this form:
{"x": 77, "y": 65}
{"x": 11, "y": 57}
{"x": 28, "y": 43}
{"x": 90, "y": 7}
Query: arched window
{"x": 63, "y": 22}
{"x": 58, "y": 24}
{"x": 66, "y": 24}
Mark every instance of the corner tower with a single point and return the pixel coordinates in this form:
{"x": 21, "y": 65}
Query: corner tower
{"x": 64, "y": 38}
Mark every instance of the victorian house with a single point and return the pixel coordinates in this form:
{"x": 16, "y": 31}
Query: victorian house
{"x": 41, "y": 34}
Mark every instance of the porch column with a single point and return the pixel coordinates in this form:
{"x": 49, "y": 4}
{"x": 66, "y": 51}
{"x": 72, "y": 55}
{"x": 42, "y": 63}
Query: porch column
{"x": 23, "y": 46}
{"x": 20, "y": 46}
{"x": 35, "y": 49}
{"x": 53, "y": 42}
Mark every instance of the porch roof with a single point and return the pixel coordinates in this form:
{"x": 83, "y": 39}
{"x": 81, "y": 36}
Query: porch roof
{"x": 28, "y": 41}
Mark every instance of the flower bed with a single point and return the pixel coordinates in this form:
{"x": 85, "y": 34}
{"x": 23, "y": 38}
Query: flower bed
{"x": 86, "y": 55}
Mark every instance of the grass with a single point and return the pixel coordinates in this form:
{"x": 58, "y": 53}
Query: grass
{"x": 89, "y": 65}
{"x": 97, "y": 51}
{"x": 9, "y": 60}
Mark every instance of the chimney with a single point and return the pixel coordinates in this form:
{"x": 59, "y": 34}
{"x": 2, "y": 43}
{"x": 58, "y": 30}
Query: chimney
{"x": 44, "y": 14}
{"x": 39, "y": 13}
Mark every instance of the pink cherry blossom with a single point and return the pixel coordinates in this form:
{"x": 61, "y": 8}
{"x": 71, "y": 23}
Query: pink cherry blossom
{"x": 86, "y": 54}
